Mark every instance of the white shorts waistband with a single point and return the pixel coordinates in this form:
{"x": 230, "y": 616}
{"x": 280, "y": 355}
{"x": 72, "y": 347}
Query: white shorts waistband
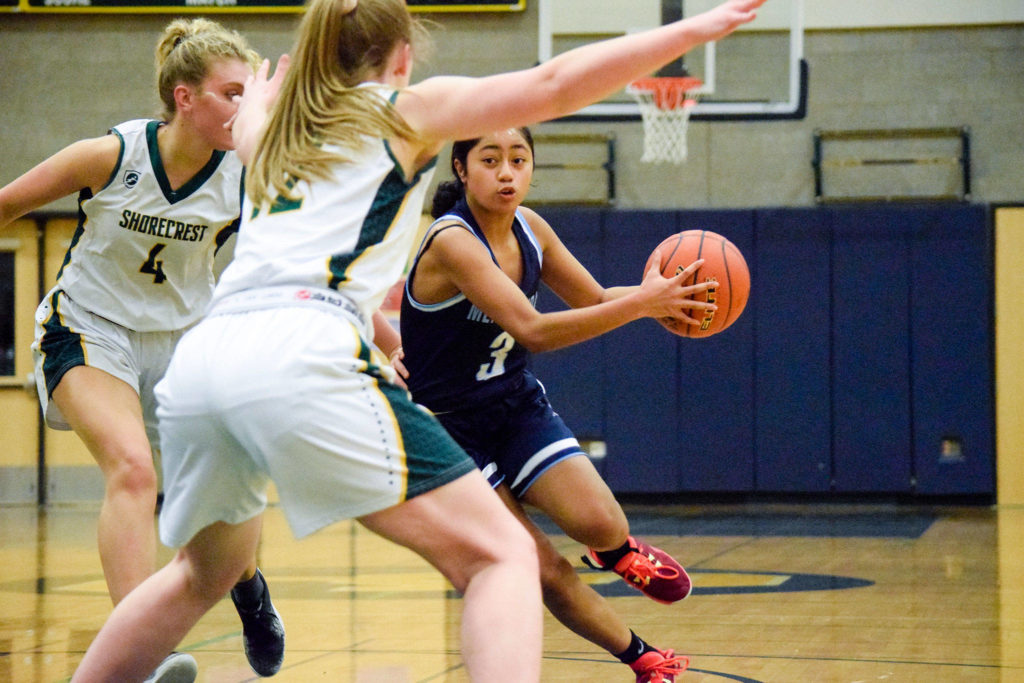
{"x": 286, "y": 296}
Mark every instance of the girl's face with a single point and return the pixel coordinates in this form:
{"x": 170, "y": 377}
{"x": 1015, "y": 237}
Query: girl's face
{"x": 214, "y": 101}
{"x": 498, "y": 171}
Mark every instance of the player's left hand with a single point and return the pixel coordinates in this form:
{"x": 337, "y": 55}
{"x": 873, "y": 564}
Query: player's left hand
{"x": 396, "y": 362}
{"x": 260, "y": 92}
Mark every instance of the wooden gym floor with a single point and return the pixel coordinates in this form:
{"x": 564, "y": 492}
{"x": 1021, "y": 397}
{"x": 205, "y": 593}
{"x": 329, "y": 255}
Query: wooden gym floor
{"x": 811, "y": 593}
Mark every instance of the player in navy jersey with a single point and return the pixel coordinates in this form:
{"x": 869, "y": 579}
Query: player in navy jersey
{"x": 468, "y": 324}
{"x": 281, "y": 381}
{"x": 156, "y": 199}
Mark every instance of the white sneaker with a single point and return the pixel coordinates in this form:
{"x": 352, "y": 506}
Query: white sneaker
{"x": 178, "y": 667}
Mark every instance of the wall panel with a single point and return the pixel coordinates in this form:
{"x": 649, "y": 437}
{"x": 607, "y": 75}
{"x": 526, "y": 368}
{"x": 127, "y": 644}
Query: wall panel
{"x": 793, "y": 351}
{"x": 716, "y": 381}
{"x": 646, "y": 450}
{"x": 951, "y": 350}
{"x": 575, "y": 377}
{"x": 870, "y": 341}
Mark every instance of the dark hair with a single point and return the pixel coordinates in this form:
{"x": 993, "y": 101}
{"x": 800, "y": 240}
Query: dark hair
{"x": 450, "y": 192}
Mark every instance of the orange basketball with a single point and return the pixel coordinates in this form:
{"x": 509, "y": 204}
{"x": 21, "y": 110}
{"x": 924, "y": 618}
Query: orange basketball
{"x": 723, "y": 263}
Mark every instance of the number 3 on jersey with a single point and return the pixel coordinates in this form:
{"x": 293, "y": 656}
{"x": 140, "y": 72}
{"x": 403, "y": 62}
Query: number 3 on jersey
{"x": 154, "y": 267}
{"x": 500, "y": 348}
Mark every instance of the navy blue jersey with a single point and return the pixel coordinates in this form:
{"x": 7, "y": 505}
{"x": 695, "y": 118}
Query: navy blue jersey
{"x": 456, "y": 355}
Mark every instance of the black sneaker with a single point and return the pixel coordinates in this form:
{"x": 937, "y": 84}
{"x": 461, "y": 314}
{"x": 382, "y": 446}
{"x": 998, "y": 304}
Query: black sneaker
{"x": 262, "y": 633}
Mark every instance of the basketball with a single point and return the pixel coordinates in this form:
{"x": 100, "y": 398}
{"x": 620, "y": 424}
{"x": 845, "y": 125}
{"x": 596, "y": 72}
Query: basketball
{"x": 723, "y": 263}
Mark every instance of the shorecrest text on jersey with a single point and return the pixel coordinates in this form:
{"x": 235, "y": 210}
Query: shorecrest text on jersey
{"x": 161, "y": 227}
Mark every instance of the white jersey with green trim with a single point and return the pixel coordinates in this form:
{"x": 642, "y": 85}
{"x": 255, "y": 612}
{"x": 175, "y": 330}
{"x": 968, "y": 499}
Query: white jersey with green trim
{"x": 352, "y": 233}
{"x": 142, "y": 255}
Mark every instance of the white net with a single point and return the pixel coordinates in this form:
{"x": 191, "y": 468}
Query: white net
{"x": 665, "y": 106}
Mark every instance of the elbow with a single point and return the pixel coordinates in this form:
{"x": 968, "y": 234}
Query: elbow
{"x": 538, "y": 341}
{"x": 7, "y": 215}
{"x": 533, "y": 341}
{"x": 536, "y": 347}
{"x": 554, "y": 95}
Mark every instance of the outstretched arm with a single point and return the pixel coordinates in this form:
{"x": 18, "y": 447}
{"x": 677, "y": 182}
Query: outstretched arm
{"x": 86, "y": 163}
{"x": 468, "y": 266}
{"x": 451, "y": 108}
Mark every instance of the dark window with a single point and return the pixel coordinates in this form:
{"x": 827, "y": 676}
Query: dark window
{"x": 6, "y": 313}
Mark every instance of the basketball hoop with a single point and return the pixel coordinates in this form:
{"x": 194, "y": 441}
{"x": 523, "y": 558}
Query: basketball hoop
{"x": 665, "y": 106}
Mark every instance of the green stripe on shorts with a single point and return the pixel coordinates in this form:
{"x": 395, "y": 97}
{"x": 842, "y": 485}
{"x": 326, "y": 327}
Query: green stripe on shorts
{"x": 431, "y": 455}
{"x": 61, "y": 347}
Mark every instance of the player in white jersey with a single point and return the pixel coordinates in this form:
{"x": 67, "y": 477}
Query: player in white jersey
{"x": 142, "y": 255}
{"x": 141, "y": 261}
{"x": 280, "y": 381}
{"x": 156, "y": 199}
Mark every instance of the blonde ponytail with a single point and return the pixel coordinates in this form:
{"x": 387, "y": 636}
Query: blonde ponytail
{"x": 341, "y": 43}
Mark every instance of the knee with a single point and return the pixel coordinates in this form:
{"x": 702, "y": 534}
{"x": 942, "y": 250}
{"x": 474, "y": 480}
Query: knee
{"x": 557, "y": 578}
{"x": 604, "y": 528}
{"x": 516, "y": 553}
{"x": 207, "y": 581}
{"x": 522, "y": 548}
{"x": 132, "y": 474}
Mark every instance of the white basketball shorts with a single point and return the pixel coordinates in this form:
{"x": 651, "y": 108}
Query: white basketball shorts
{"x": 68, "y": 335}
{"x": 295, "y": 395}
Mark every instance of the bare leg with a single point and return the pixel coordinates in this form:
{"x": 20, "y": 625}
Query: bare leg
{"x": 252, "y": 566}
{"x": 469, "y": 536}
{"x": 147, "y": 625}
{"x": 591, "y": 515}
{"x": 578, "y": 606}
{"x": 106, "y": 414}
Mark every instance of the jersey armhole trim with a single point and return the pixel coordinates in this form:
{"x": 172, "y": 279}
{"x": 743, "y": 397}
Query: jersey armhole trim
{"x": 117, "y": 164}
{"x": 454, "y": 222}
{"x": 531, "y": 236}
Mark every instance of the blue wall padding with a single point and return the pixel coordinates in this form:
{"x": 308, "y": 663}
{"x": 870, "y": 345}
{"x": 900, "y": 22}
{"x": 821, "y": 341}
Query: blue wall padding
{"x": 950, "y": 351}
{"x": 716, "y": 383}
{"x": 870, "y": 350}
{"x": 574, "y": 377}
{"x": 641, "y": 367}
{"x": 792, "y": 348}
{"x": 865, "y": 346}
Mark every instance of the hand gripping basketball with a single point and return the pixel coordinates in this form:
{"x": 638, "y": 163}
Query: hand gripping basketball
{"x": 723, "y": 264}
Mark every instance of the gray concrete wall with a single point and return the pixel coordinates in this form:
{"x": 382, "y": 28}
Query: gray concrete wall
{"x": 64, "y": 77}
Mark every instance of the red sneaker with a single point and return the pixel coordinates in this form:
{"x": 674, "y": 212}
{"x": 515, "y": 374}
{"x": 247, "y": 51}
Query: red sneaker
{"x": 659, "y": 666}
{"x": 650, "y": 570}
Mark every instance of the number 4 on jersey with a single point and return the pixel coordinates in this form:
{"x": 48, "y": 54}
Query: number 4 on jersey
{"x": 154, "y": 267}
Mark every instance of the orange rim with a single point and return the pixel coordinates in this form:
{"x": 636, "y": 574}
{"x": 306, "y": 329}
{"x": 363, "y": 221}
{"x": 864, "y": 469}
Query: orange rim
{"x": 669, "y": 92}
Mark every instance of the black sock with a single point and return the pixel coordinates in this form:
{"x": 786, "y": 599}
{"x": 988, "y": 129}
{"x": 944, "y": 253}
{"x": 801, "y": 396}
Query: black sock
{"x": 249, "y": 593}
{"x": 610, "y": 558}
{"x": 637, "y": 647}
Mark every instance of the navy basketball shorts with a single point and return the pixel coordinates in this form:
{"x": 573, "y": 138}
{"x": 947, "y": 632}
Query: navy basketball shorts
{"x": 513, "y": 439}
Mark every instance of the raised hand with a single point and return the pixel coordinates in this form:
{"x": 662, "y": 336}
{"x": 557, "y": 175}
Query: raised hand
{"x": 722, "y": 20}
{"x": 254, "y": 104}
